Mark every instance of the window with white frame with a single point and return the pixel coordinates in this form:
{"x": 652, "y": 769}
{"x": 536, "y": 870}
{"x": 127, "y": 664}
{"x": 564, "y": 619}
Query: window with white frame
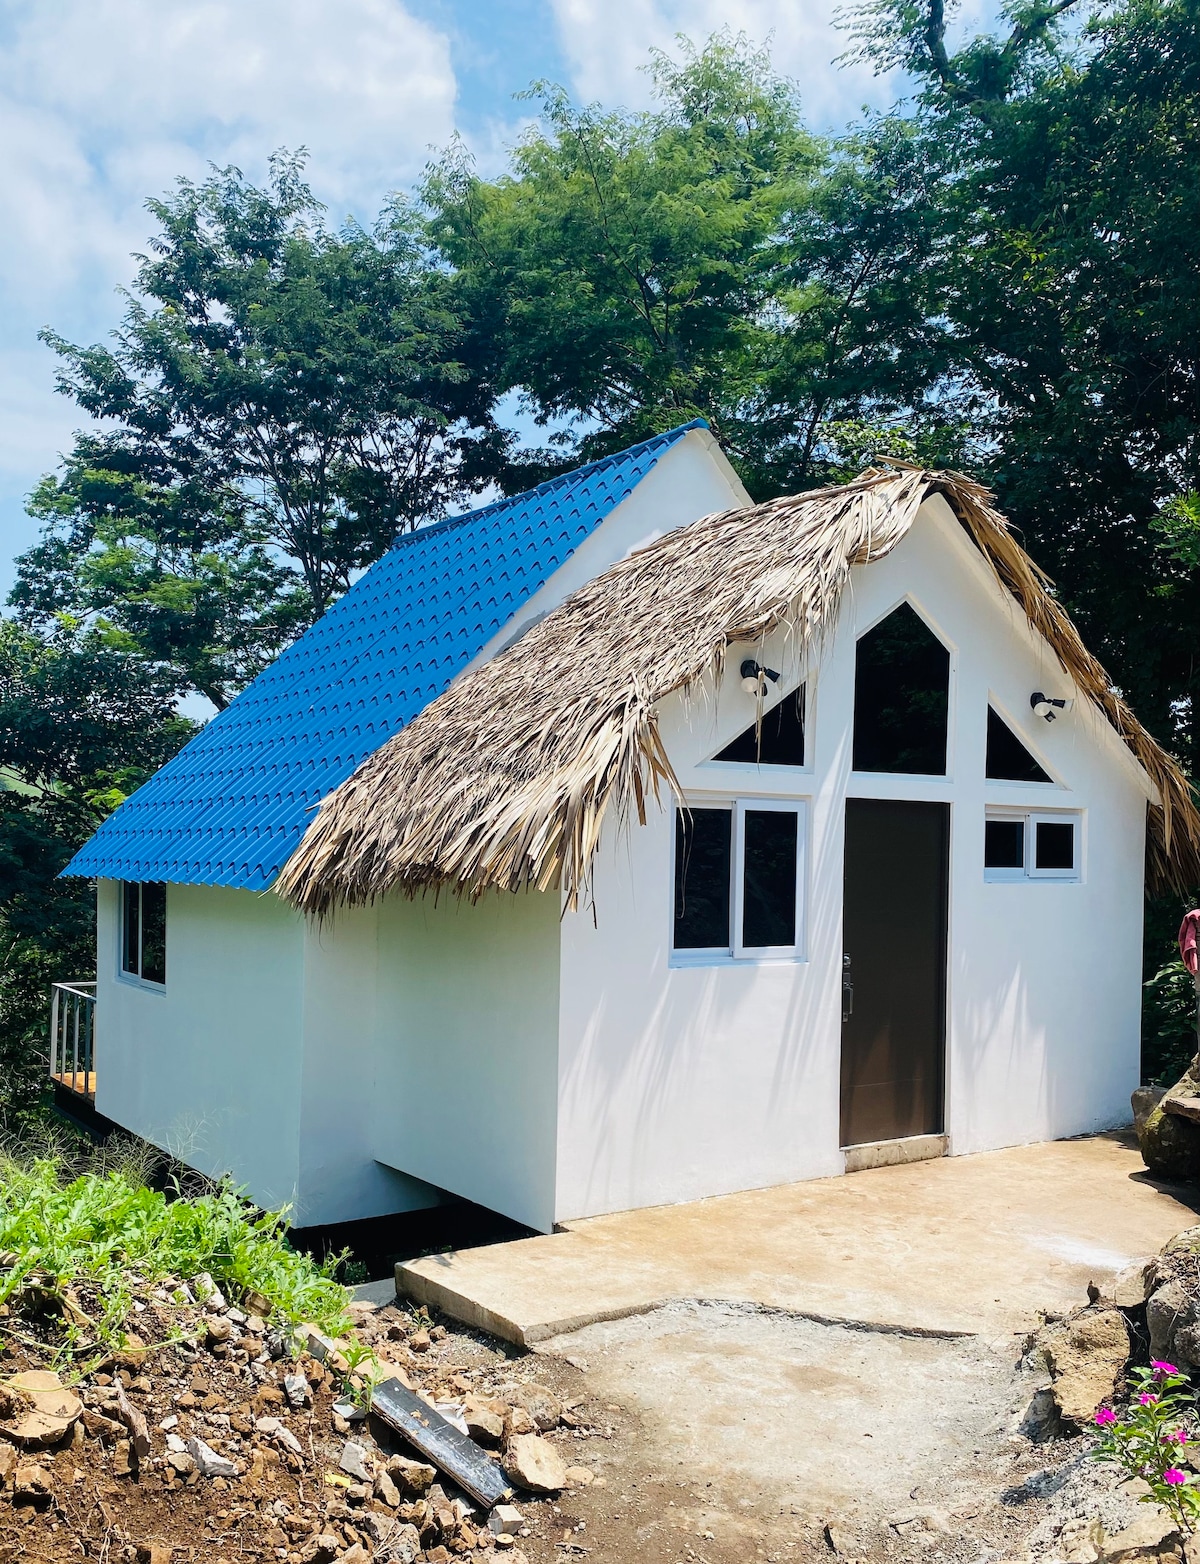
{"x": 739, "y": 880}
{"x": 1031, "y": 846}
{"x": 144, "y": 930}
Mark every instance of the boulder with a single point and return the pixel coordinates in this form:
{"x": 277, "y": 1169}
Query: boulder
{"x": 1170, "y": 1146}
{"x": 535, "y": 1464}
{"x": 1087, "y": 1357}
{"x": 1143, "y": 1102}
{"x": 1152, "y": 1536}
{"x": 1130, "y": 1287}
{"x": 1168, "y": 1310}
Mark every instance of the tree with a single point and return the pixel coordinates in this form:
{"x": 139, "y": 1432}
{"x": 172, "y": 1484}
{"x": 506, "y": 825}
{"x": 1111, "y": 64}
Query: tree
{"x": 710, "y": 257}
{"x": 279, "y": 402}
{"x": 80, "y": 727}
{"x": 1073, "y": 195}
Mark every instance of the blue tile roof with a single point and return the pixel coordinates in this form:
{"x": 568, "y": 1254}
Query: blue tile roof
{"x": 232, "y": 805}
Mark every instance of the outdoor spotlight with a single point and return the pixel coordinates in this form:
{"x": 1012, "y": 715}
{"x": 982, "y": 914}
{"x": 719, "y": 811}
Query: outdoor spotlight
{"x": 1047, "y": 706}
{"x": 754, "y": 677}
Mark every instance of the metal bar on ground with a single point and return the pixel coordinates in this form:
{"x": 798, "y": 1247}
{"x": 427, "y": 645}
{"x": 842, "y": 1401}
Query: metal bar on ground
{"x": 450, "y": 1450}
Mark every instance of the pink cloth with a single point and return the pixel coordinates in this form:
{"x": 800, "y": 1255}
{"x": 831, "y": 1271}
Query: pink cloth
{"x": 1189, "y": 941}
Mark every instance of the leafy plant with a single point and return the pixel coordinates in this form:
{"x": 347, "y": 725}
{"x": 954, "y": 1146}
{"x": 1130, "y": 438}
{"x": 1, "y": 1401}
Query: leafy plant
{"x": 1168, "y": 1023}
{"x": 1150, "y": 1439}
{"x": 112, "y": 1231}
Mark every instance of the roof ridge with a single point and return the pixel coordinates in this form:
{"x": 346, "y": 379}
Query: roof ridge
{"x": 545, "y": 487}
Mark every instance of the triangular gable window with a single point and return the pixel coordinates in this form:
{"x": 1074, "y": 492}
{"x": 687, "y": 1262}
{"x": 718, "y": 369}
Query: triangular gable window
{"x": 782, "y": 742}
{"x": 1007, "y": 758}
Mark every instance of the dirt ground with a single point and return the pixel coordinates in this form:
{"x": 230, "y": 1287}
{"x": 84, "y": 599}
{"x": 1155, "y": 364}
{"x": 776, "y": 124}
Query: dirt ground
{"x": 716, "y": 1434}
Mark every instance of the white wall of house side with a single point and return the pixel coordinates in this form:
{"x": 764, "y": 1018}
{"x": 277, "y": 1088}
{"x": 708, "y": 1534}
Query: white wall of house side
{"x": 680, "y": 1081}
{"x": 208, "y": 1068}
{"x": 339, "y": 1178}
{"x": 690, "y": 480}
{"x": 467, "y": 1045}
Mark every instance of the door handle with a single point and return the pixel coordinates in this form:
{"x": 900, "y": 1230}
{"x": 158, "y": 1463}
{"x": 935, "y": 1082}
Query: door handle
{"x": 847, "y": 990}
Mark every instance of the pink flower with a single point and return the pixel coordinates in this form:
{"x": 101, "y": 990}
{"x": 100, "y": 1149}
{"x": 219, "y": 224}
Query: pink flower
{"x": 1147, "y": 1401}
{"x": 1178, "y": 1436}
{"x": 1106, "y": 1415}
{"x": 1163, "y": 1368}
{"x": 1173, "y": 1476}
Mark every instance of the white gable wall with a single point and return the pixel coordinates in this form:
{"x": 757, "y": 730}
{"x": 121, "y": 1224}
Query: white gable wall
{"x": 684, "y": 1081}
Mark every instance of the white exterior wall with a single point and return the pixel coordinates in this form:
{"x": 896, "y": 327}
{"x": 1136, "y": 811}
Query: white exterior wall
{"x": 466, "y": 1050}
{"x": 209, "y": 1067}
{"x": 684, "y": 1081}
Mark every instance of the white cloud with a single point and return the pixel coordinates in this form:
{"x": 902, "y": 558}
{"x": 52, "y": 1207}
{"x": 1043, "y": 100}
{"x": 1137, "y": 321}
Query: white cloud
{"x": 105, "y": 102}
{"x": 607, "y": 44}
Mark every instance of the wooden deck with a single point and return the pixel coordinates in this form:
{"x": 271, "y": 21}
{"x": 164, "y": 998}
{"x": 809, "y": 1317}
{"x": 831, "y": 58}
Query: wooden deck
{"x": 82, "y": 1082}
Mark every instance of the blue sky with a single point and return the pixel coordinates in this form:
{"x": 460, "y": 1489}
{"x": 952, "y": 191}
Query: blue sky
{"x": 104, "y": 102}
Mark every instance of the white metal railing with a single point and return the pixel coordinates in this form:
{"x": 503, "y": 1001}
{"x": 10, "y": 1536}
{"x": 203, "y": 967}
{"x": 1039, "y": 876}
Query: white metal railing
{"x": 72, "y": 1036}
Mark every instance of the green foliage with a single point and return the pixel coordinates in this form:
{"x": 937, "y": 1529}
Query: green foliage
{"x": 1169, "y": 1040}
{"x": 625, "y": 269}
{"x": 278, "y": 403}
{"x": 1149, "y": 1441}
{"x": 113, "y": 1230}
{"x": 81, "y": 725}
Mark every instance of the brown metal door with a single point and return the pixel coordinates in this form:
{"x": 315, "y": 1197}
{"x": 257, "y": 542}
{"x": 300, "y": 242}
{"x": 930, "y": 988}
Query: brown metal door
{"x": 894, "y": 986}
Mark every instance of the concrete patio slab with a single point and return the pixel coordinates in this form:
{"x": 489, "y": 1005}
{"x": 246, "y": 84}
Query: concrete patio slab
{"x": 958, "y": 1246}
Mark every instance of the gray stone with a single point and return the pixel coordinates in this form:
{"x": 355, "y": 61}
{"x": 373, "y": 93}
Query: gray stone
{"x": 209, "y": 1294}
{"x": 296, "y": 1389}
{"x": 401, "y": 1544}
{"x": 1131, "y": 1286}
{"x": 354, "y": 1462}
{"x": 1170, "y": 1146}
{"x": 505, "y": 1518}
{"x": 386, "y": 1490}
{"x": 208, "y": 1462}
{"x": 1144, "y": 1101}
{"x": 535, "y": 1464}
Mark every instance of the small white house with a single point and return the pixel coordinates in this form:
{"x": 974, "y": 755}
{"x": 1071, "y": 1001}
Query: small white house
{"x": 667, "y": 846}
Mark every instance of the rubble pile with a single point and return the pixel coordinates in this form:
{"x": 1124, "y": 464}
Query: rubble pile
{"x": 215, "y": 1428}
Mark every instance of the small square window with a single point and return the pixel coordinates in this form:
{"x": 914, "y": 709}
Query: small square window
{"x": 1055, "y": 849}
{"x": 737, "y": 881}
{"x": 1004, "y": 845}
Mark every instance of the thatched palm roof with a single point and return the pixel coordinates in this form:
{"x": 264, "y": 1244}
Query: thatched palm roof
{"x": 506, "y": 780}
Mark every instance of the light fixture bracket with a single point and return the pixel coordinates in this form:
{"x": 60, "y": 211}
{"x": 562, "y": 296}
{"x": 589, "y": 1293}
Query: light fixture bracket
{"x": 754, "y": 677}
{"x": 1049, "y": 706}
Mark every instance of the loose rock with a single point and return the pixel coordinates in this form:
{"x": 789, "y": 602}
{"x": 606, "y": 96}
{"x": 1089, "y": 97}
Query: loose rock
{"x": 1150, "y": 1537}
{"x": 413, "y": 1477}
{"x": 354, "y": 1461}
{"x": 208, "y": 1462}
{"x": 534, "y": 1463}
{"x": 1087, "y": 1357}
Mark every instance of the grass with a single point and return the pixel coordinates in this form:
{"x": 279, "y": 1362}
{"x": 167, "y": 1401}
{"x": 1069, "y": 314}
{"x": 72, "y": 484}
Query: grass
{"x": 106, "y": 1227}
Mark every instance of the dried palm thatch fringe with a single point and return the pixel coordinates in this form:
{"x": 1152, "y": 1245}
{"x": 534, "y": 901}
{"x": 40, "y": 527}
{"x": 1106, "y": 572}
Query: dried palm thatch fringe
{"x": 506, "y": 780}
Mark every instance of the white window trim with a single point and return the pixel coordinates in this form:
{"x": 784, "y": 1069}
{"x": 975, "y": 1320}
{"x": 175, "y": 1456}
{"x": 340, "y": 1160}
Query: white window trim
{"x": 1034, "y": 873}
{"x": 1031, "y": 819}
{"x": 737, "y": 953}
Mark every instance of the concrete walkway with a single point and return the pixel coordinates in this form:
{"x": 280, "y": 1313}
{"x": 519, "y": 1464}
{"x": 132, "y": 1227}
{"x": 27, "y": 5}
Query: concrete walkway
{"x": 959, "y": 1246}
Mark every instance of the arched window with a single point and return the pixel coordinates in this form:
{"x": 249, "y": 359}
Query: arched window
{"x": 901, "y": 697}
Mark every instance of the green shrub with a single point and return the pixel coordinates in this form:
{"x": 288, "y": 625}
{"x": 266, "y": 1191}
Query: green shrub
{"x": 108, "y": 1227}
